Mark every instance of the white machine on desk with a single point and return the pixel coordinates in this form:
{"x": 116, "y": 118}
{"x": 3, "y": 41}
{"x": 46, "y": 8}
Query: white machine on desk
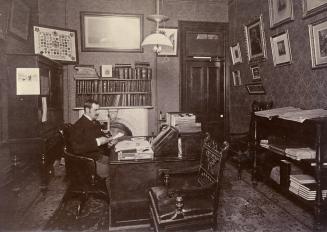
{"x": 184, "y": 122}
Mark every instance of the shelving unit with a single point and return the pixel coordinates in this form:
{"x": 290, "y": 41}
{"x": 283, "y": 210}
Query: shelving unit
{"x": 133, "y": 91}
{"x": 281, "y": 134}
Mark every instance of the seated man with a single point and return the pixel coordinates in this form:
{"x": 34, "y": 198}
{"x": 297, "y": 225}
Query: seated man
{"x": 86, "y": 138}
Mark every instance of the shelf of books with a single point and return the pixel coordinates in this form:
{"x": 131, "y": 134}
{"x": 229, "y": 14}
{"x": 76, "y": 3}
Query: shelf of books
{"x": 128, "y": 87}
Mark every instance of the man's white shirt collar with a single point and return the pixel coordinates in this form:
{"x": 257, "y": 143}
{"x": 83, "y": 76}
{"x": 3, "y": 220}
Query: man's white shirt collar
{"x": 88, "y": 117}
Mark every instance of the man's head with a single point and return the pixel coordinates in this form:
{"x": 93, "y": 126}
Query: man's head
{"x": 91, "y": 108}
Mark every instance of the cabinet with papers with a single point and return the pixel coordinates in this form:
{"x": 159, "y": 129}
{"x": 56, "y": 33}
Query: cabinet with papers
{"x": 296, "y": 138}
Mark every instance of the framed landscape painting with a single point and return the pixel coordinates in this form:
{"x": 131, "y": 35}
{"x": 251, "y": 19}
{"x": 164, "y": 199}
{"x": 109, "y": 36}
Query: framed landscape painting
{"x": 106, "y": 32}
{"x": 255, "y": 40}
{"x": 280, "y": 11}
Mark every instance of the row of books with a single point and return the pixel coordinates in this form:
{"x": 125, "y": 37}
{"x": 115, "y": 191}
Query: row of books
{"x": 116, "y": 99}
{"x": 87, "y": 86}
{"x": 92, "y": 86}
{"x": 305, "y": 186}
{"x": 126, "y": 86}
{"x": 138, "y": 72}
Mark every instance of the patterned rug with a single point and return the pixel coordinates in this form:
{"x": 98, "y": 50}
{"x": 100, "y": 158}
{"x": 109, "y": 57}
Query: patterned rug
{"x": 242, "y": 208}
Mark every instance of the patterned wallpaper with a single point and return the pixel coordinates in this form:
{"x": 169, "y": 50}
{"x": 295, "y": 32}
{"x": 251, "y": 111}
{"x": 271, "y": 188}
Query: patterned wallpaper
{"x": 295, "y": 84}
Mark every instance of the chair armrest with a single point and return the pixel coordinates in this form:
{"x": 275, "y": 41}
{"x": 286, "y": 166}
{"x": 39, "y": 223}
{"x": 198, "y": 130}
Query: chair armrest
{"x": 191, "y": 191}
{"x": 167, "y": 174}
{"x": 184, "y": 171}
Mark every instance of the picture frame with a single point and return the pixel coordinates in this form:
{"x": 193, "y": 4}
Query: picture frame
{"x": 236, "y": 54}
{"x": 312, "y": 7}
{"x": 255, "y": 72}
{"x": 255, "y": 89}
{"x": 280, "y": 11}
{"x": 255, "y": 40}
{"x": 123, "y": 32}
{"x": 57, "y": 44}
{"x": 19, "y": 20}
{"x": 3, "y": 25}
{"x": 106, "y": 70}
{"x": 172, "y": 34}
{"x": 28, "y": 81}
{"x": 237, "y": 81}
{"x": 281, "y": 49}
{"x": 318, "y": 43}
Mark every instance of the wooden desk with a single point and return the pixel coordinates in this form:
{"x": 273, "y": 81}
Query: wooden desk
{"x": 129, "y": 184}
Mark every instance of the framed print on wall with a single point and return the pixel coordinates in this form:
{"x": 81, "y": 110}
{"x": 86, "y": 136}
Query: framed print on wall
{"x": 312, "y": 7}
{"x": 255, "y": 89}
{"x": 280, "y": 47}
{"x": 280, "y": 11}
{"x": 237, "y": 81}
{"x": 255, "y": 40}
{"x": 318, "y": 43}
{"x": 236, "y": 53}
{"x": 111, "y": 32}
{"x": 172, "y": 34}
{"x": 255, "y": 71}
{"x": 19, "y": 20}
{"x": 56, "y": 43}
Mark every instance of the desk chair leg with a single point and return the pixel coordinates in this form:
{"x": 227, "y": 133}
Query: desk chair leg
{"x": 81, "y": 205}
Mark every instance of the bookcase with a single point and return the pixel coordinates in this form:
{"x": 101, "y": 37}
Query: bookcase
{"x": 276, "y": 136}
{"x": 129, "y": 87}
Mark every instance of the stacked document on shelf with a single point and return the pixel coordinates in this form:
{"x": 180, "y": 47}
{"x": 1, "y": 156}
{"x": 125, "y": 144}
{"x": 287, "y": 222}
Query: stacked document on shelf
{"x": 309, "y": 191}
{"x": 301, "y": 116}
{"x": 296, "y": 181}
{"x": 276, "y": 112}
{"x": 300, "y": 153}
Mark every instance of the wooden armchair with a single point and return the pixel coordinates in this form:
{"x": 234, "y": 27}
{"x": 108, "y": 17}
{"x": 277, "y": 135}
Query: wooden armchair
{"x": 189, "y": 198}
{"x": 240, "y": 142}
{"x": 83, "y": 180}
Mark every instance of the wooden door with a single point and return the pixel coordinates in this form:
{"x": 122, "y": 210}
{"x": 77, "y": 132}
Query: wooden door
{"x": 202, "y": 70}
{"x": 204, "y": 88}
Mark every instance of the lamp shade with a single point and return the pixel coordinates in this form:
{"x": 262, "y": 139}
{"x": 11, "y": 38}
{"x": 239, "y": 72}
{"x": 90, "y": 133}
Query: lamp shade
{"x": 157, "y": 39}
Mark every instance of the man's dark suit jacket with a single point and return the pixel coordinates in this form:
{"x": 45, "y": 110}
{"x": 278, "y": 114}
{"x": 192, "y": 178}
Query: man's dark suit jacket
{"x": 82, "y": 138}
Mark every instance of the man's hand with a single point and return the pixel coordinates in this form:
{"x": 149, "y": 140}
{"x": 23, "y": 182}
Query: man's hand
{"x": 103, "y": 140}
{"x": 112, "y": 142}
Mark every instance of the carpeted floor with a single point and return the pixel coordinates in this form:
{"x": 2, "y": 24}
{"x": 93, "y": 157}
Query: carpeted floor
{"x": 242, "y": 208}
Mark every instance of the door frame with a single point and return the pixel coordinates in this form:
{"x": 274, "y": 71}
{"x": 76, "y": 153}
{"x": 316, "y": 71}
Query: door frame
{"x": 198, "y": 27}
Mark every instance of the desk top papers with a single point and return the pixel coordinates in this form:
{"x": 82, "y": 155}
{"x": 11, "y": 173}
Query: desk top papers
{"x": 293, "y": 114}
{"x": 136, "y": 145}
{"x": 300, "y": 153}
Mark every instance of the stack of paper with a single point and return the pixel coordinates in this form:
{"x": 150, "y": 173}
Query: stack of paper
{"x": 301, "y": 116}
{"x": 137, "y": 145}
{"x": 296, "y": 181}
{"x": 300, "y": 153}
{"x": 133, "y": 150}
{"x": 184, "y": 122}
{"x": 276, "y": 112}
{"x": 309, "y": 191}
